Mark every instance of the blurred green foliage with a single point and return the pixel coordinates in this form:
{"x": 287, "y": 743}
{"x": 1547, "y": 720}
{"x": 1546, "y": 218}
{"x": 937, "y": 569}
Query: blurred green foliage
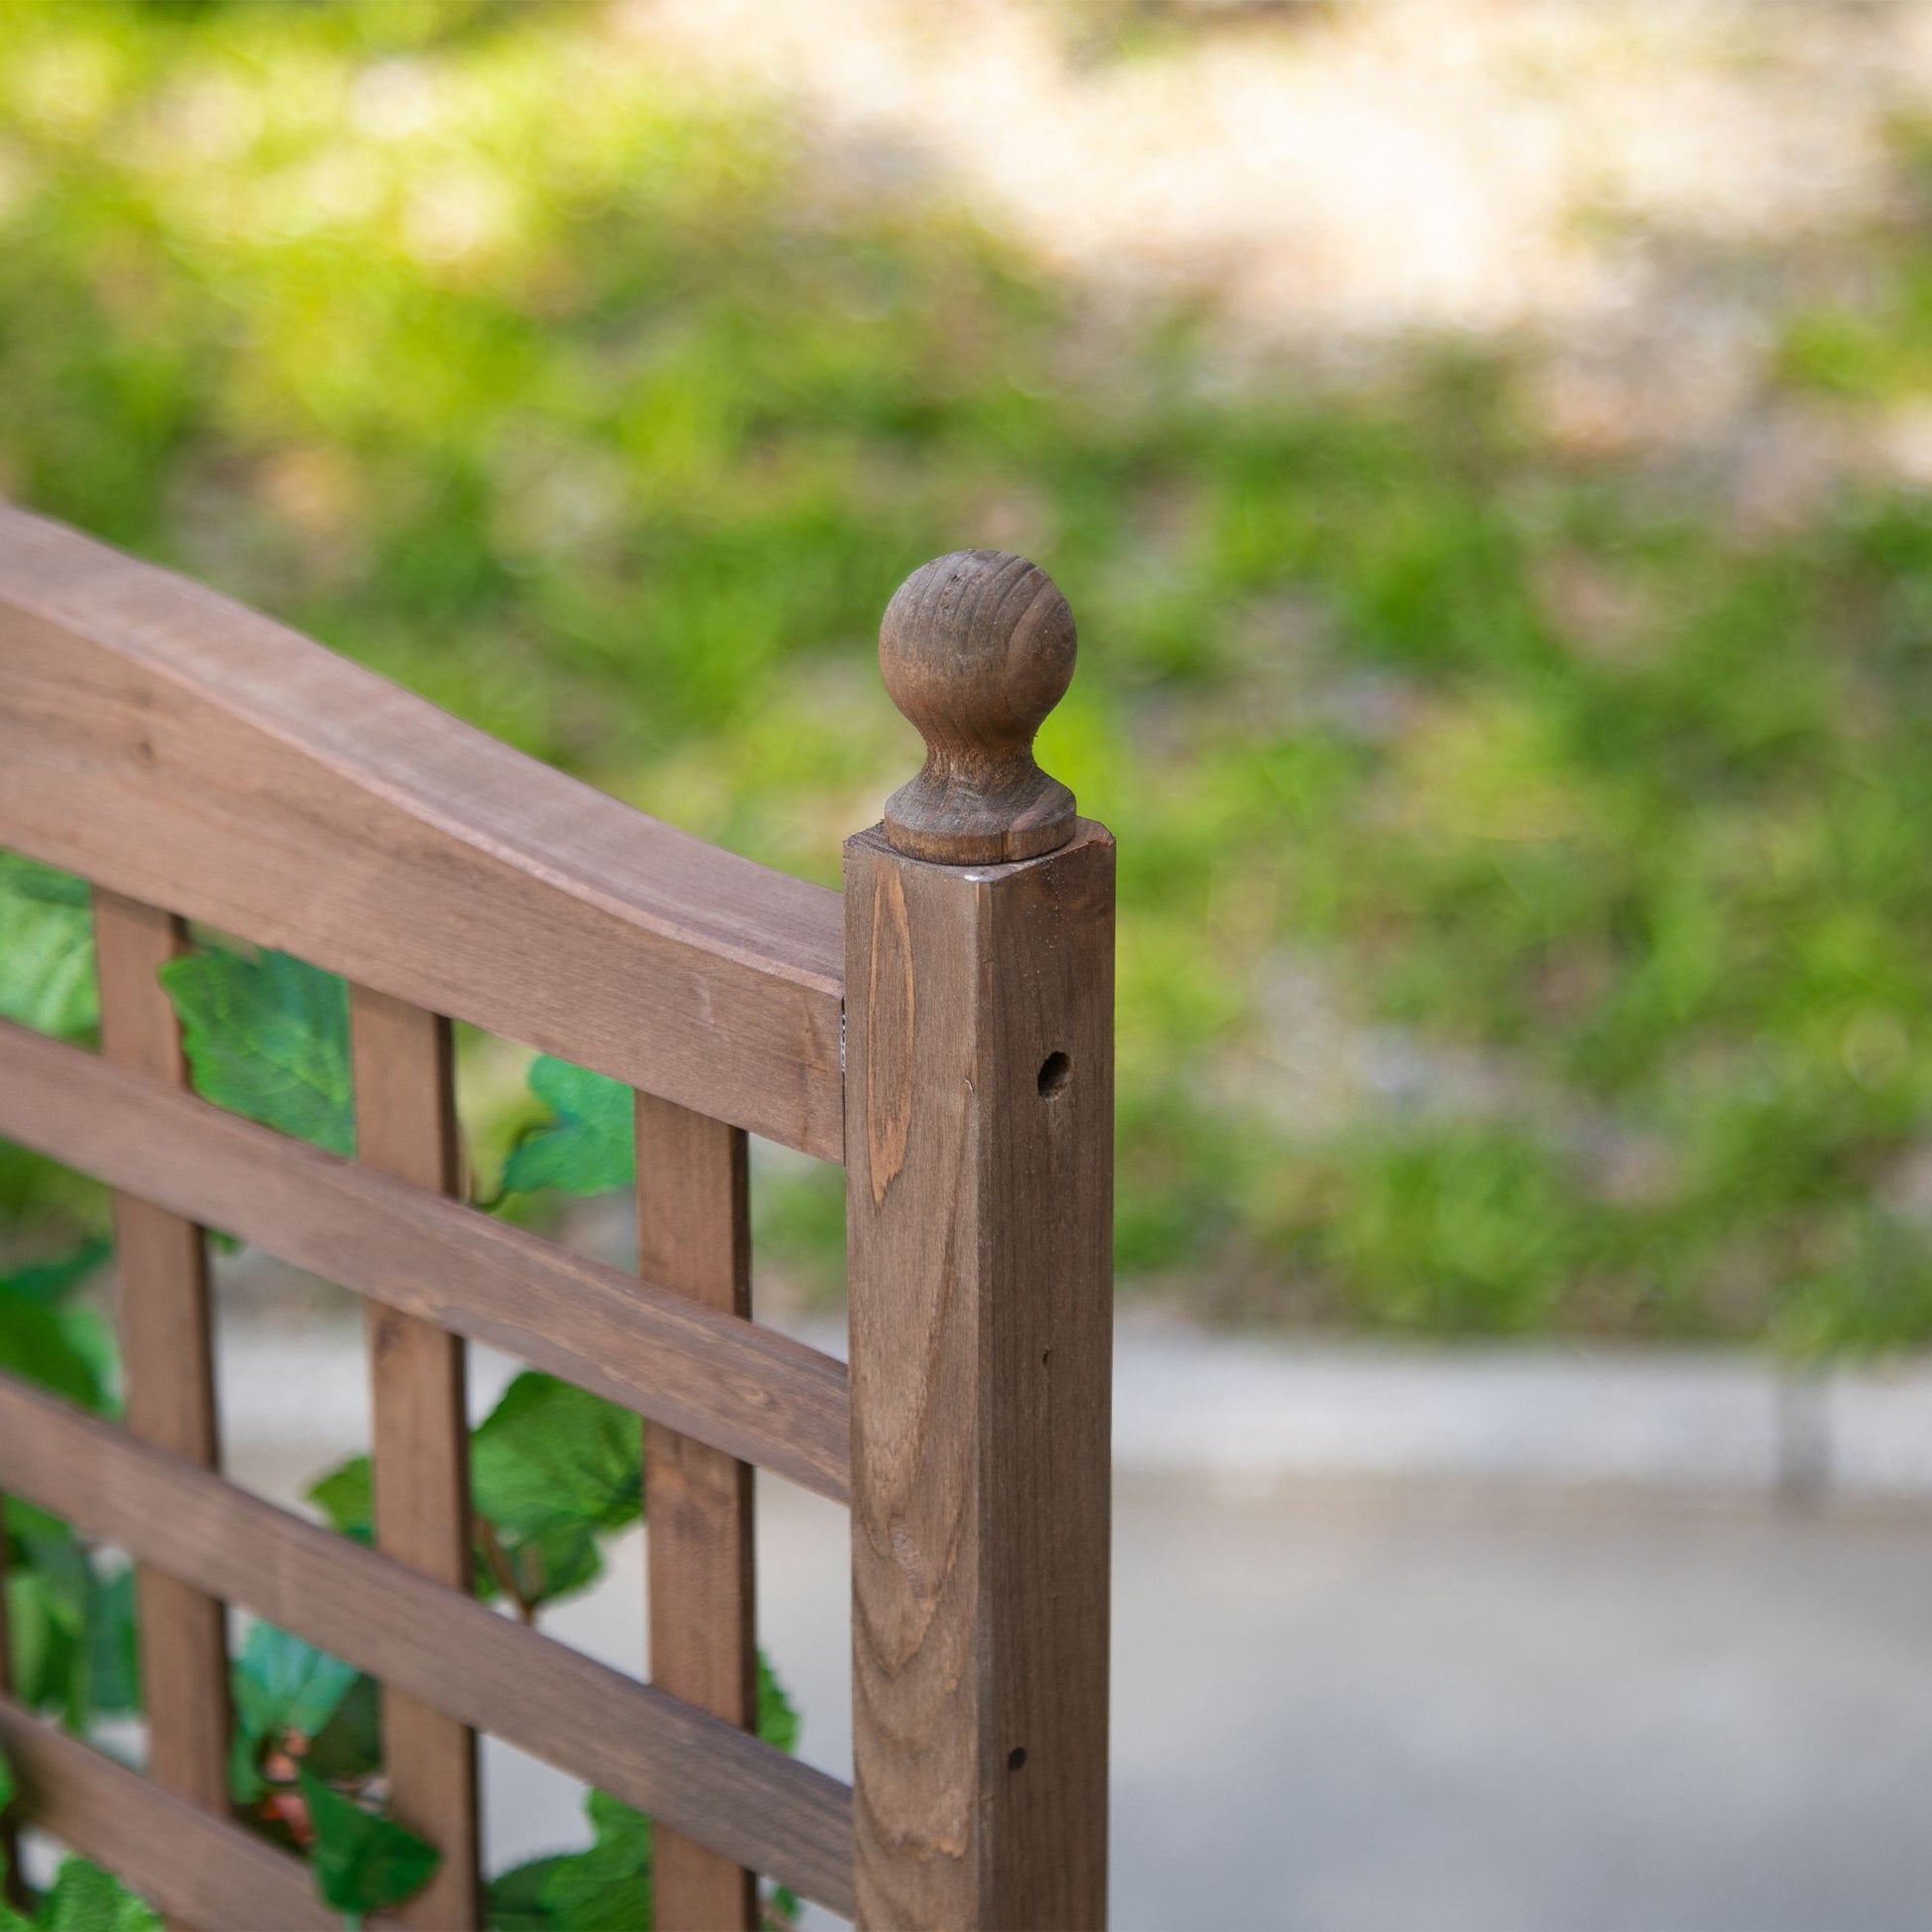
{"x": 1524, "y": 917}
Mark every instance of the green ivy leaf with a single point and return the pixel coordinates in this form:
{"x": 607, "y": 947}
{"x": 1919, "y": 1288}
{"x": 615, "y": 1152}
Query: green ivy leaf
{"x": 514, "y": 1898}
{"x": 113, "y": 1646}
{"x": 557, "y": 1557}
{"x": 24, "y": 878}
{"x": 51, "y": 1348}
{"x": 268, "y": 1036}
{"x": 282, "y": 1684}
{"x": 72, "y": 1622}
{"x": 46, "y": 949}
{"x": 45, "y": 1645}
{"x": 362, "y": 1863}
{"x": 552, "y": 1469}
{"x": 346, "y": 1498}
{"x": 587, "y": 1149}
{"x": 608, "y": 1887}
{"x": 350, "y": 1745}
{"x": 48, "y": 1282}
{"x": 550, "y": 1451}
{"x": 85, "y": 1898}
{"x": 556, "y": 1561}
{"x": 778, "y": 1716}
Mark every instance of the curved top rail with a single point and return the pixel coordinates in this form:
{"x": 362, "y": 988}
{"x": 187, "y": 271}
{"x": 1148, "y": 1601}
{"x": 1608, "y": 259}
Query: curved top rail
{"x": 177, "y": 747}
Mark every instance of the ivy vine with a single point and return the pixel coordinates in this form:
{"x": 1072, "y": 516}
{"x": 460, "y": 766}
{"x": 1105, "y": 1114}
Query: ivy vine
{"x": 555, "y": 1472}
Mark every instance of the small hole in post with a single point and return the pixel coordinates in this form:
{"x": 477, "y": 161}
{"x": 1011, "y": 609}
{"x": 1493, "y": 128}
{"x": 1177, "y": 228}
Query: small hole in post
{"x": 1055, "y": 1070}
{"x": 1016, "y": 1757}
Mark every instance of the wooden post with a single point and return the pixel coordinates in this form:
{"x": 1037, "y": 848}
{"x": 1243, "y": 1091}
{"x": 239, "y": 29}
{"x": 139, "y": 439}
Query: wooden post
{"x": 979, "y": 1157}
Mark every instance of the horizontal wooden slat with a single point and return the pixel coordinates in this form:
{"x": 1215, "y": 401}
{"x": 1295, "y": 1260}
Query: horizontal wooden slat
{"x": 704, "y": 1778}
{"x": 177, "y": 747}
{"x": 198, "y": 1870}
{"x": 759, "y": 1395}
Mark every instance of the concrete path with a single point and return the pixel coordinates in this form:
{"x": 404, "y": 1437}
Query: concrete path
{"x": 1393, "y": 1684}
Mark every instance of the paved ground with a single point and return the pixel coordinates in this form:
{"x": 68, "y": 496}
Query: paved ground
{"x": 1339, "y": 1712}
{"x": 1398, "y": 1695}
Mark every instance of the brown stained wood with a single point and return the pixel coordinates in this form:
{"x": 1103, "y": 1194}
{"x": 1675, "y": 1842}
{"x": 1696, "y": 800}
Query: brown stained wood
{"x": 187, "y": 752}
{"x": 200, "y": 1871}
{"x": 976, "y": 648}
{"x": 979, "y": 1085}
{"x": 694, "y": 1236}
{"x": 699, "y": 1776}
{"x": 743, "y": 1388}
{"x": 168, "y": 1361}
{"x": 406, "y": 1127}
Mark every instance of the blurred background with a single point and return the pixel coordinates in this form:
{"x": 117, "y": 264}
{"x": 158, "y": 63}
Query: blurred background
{"x": 1486, "y": 445}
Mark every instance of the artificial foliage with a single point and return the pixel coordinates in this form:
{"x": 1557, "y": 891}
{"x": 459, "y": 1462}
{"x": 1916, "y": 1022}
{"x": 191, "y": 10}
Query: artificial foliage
{"x": 555, "y": 1473}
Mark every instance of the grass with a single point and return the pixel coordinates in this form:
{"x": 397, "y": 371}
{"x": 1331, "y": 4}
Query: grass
{"x": 1525, "y": 922}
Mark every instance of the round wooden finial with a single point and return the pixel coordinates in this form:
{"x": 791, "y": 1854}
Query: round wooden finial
{"x": 976, "y": 648}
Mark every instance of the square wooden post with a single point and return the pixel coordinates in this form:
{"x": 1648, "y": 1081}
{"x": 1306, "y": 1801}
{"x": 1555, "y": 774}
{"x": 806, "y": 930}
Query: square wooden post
{"x": 979, "y": 1158}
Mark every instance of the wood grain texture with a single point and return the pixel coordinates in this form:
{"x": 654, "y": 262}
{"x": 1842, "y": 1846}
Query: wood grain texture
{"x": 167, "y": 1362}
{"x": 406, "y": 1127}
{"x": 979, "y": 1194}
{"x": 182, "y": 749}
{"x": 200, "y": 1871}
{"x": 694, "y": 1236}
{"x": 699, "y": 1776}
{"x": 746, "y": 1389}
{"x": 976, "y": 648}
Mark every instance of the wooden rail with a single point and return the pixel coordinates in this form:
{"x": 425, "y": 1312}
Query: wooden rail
{"x": 729, "y": 1382}
{"x": 185, "y": 752}
{"x": 706, "y": 1778}
{"x": 945, "y": 1028}
{"x": 201, "y": 1870}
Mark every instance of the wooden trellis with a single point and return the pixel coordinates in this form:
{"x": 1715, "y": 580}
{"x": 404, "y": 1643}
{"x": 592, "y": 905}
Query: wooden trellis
{"x": 945, "y": 1028}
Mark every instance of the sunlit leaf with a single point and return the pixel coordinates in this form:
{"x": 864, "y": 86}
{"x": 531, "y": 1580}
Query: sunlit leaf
{"x": 552, "y": 1469}
{"x": 551, "y": 1450}
{"x": 267, "y": 1036}
{"x": 589, "y": 1147}
{"x": 46, "y": 949}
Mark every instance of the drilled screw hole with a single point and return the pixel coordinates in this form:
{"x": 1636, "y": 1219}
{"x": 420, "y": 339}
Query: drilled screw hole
{"x": 1016, "y": 1757}
{"x": 1055, "y": 1070}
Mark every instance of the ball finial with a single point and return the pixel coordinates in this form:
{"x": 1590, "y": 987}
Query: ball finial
{"x": 976, "y": 648}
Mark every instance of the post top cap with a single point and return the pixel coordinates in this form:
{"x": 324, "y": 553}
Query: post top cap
{"x": 976, "y": 648}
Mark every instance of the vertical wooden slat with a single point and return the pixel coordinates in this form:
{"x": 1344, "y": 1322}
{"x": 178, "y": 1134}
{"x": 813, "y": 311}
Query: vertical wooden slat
{"x": 694, "y": 1235}
{"x": 168, "y": 1361}
{"x": 405, "y": 1126}
{"x": 978, "y": 1151}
